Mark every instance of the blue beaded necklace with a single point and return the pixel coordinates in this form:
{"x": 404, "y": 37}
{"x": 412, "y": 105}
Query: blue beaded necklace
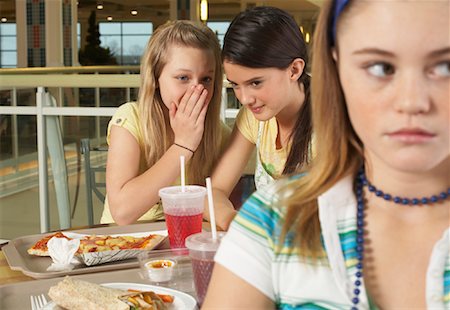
{"x": 362, "y": 181}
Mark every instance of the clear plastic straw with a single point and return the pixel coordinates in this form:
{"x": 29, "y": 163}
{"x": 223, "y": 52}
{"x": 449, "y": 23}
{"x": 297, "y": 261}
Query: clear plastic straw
{"x": 183, "y": 180}
{"x": 212, "y": 217}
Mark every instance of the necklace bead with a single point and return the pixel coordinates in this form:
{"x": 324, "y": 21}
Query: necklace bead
{"x": 402, "y": 200}
{"x": 362, "y": 181}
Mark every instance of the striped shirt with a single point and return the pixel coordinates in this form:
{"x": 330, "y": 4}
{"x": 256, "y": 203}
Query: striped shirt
{"x": 251, "y": 250}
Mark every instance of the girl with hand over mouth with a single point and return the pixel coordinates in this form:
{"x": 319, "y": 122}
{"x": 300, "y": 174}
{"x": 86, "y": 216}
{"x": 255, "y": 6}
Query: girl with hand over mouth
{"x": 177, "y": 113}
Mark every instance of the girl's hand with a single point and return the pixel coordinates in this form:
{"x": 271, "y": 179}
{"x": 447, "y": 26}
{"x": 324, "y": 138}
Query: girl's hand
{"x": 187, "y": 118}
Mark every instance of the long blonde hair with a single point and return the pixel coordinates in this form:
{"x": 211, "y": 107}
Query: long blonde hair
{"x": 338, "y": 149}
{"x": 153, "y": 125}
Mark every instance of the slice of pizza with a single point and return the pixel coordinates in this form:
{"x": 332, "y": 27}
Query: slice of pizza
{"x": 95, "y": 243}
{"x": 40, "y": 248}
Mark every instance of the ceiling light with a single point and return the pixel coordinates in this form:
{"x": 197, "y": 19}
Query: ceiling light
{"x": 204, "y": 10}
{"x": 134, "y": 12}
{"x": 4, "y": 19}
{"x": 99, "y": 5}
{"x": 109, "y": 18}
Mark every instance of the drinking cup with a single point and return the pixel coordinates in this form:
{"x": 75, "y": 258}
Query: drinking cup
{"x": 183, "y": 212}
{"x": 202, "y": 249}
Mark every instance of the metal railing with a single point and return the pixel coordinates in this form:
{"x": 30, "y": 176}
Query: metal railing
{"x": 96, "y": 77}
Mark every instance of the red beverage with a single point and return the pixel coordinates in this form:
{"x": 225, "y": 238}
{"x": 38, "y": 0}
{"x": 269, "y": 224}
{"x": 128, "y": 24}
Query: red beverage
{"x": 180, "y": 227}
{"x": 202, "y": 249}
{"x": 202, "y": 270}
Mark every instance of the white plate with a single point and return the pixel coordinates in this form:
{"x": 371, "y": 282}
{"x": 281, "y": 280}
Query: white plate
{"x": 182, "y": 301}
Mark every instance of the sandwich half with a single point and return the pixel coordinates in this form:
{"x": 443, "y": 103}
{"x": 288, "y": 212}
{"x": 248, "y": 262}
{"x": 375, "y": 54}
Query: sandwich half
{"x": 76, "y": 294}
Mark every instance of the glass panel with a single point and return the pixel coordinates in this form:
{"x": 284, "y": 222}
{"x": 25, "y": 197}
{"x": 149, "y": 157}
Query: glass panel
{"x": 220, "y": 27}
{"x": 8, "y": 29}
{"x": 87, "y": 97}
{"x": 26, "y": 130}
{"x": 5, "y": 97}
{"x": 26, "y": 97}
{"x": 220, "y": 37}
{"x": 133, "y": 48}
{"x": 19, "y": 197}
{"x": 8, "y": 43}
{"x": 232, "y": 101}
{"x": 79, "y": 35}
{"x": 109, "y": 28}
{"x": 8, "y": 58}
{"x": 114, "y": 44}
{"x": 137, "y": 28}
{"x": 112, "y": 97}
{"x": 6, "y": 148}
{"x": 134, "y": 92}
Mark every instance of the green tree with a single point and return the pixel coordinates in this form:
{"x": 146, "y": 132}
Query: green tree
{"x": 93, "y": 54}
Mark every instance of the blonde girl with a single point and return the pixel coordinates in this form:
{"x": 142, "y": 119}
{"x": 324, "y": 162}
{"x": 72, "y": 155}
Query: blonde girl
{"x": 177, "y": 113}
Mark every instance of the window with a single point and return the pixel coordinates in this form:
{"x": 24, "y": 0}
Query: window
{"x": 8, "y": 45}
{"x": 126, "y": 41}
{"x": 78, "y": 36}
{"x": 219, "y": 28}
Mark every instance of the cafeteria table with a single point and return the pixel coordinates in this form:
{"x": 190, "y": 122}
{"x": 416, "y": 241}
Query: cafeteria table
{"x": 16, "y": 287}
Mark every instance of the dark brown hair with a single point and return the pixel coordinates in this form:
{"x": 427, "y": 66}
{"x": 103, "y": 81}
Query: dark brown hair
{"x": 268, "y": 37}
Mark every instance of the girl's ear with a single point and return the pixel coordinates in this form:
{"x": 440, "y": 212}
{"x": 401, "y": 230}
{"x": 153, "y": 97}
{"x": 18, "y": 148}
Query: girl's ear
{"x": 334, "y": 54}
{"x": 297, "y": 67}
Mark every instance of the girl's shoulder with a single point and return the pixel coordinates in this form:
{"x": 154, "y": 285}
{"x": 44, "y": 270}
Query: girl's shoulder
{"x": 127, "y": 117}
{"x": 128, "y": 108}
{"x": 125, "y": 112}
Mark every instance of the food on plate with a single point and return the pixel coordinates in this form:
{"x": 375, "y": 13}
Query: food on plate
{"x": 146, "y": 300}
{"x": 97, "y": 243}
{"x": 73, "y": 294}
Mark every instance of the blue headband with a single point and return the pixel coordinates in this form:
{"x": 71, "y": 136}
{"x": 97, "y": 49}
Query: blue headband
{"x": 339, "y": 6}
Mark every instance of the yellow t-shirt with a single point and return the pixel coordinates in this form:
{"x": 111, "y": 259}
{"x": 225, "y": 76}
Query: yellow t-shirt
{"x": 271, "y": 158}
{"x": 127, "y": 116}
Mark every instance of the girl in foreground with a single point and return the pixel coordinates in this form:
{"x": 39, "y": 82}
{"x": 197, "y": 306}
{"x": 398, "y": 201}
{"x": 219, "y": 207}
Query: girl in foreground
{"x": 368, "y": 226}
{"x": 177, "y": 113}
{"x": 264, "y": 57}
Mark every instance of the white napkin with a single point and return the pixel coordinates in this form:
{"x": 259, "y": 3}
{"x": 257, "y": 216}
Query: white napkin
{"x": 62, "y": 252}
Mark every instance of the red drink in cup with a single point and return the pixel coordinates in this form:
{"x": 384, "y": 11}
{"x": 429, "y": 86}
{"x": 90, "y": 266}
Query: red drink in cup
{"x": 183, "y": 212}
{"x": 202, "y": 249}
{"x": 180, "y": 227}
{"x": 202, "y": 270}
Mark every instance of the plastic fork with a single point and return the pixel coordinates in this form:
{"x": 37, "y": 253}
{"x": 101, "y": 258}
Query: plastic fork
{"x": 38, "y": 302}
